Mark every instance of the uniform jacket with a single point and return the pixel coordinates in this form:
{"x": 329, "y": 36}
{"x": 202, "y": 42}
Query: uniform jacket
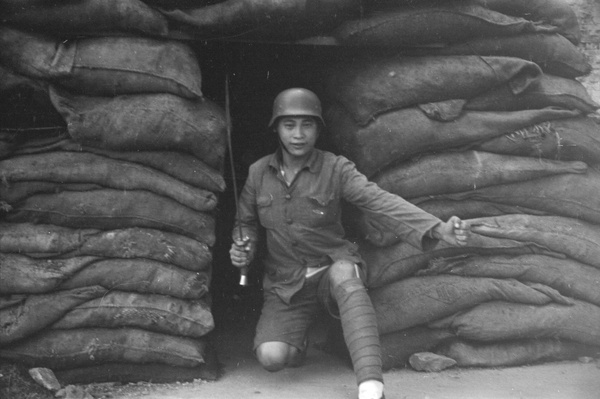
{"x": 303, "y": 221}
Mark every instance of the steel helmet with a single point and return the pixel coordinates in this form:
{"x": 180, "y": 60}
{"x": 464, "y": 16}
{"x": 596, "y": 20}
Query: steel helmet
{"x": 296, "y": 102}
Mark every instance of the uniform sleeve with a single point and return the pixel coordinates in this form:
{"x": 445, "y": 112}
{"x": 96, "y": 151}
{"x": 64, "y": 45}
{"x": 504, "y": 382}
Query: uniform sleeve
{"x": 247, "y": 217}
{"x": 407, "y": 221}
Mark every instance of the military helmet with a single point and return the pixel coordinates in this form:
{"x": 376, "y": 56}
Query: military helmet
{"x": 296, "y": 102}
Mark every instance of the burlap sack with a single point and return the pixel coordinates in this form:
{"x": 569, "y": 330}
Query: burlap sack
{"x": 371, "y": 86}
{"x": 152, "y": 122}
{"x": 36, "y": 312}
{"x": 575, "y": 238}
{"x": 451, "y": 172}
{"x": 402, "y": 134}
{"x": 69, "y": 349}
{"x": 182, "y": 166}
{"x": 108, "y": 209}
{"x": 501, "y": 320}
{"x": 569, "y": 277}
{"x": 548, "y": 91}
{"x": 158, "y": 313}
{"x": 387, "y": 264}
{"x": 87, "y": 17}
{"x": 143, "y": 276}
{"x": 72, "y": 167}
{"x": 24, "y": 275}
{"x": 558, "y": 13}
{"x": 512, "y": 353}
{"x": 446, "y": 22}
{"x": 105, "y": 66}
{"x": 271, "y": 20}
{"x": 43, "y": 241}
{"x": 571, "y": 139}
{"x": 418, "y": 300}
{"x": 568, "y": 195}
{"x": 552, "y": 52}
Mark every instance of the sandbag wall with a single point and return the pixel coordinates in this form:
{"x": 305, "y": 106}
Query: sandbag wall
{"x": 473, "y": 109}
{"x": 109, "y": 194}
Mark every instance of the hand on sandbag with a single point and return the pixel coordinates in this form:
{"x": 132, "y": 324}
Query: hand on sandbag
{"x": 242, "y": 252}
{"x": 455, "y": 231}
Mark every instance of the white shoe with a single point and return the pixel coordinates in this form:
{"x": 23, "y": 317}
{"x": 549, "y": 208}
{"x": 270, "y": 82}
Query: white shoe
{"x": 371, "y": 389}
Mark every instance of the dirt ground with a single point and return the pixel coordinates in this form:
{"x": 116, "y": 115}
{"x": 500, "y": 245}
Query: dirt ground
{"x": 327, "y": 377}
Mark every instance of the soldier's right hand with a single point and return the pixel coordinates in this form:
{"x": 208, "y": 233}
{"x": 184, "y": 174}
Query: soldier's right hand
{"x": 241, "y": 252}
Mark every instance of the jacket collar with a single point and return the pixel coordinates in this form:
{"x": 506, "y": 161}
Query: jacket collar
{"x": 313, "y": 163}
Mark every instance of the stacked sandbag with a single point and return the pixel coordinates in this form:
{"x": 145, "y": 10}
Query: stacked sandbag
{"x": 108, "y": 216}
{"x": 476, "y": 113}
{"x": 258, "y": 20}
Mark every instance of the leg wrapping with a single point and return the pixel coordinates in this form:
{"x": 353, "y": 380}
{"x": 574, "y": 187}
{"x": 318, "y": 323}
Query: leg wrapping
{"x": 359, "y": 325}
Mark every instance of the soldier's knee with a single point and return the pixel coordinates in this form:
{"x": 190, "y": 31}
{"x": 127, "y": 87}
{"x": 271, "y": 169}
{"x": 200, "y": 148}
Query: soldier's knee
{"x": 273, "y": 356}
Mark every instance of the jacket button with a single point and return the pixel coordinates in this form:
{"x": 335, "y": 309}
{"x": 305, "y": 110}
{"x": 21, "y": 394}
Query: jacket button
{"x": 288, "y": 197}
{"x": 289, "y": 221}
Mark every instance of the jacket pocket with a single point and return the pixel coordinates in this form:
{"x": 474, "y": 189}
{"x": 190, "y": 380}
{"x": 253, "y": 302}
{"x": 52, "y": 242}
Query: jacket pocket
{"x": 264, "y": 205}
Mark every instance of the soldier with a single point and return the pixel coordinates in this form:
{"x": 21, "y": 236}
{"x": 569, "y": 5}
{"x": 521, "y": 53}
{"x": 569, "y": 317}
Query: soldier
{"x": 295, "y": 194}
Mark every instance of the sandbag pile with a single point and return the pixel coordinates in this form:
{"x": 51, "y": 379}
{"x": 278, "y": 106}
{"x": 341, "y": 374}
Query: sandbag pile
{"x": 476, "y": 113}
{"x": 109, "y": 205}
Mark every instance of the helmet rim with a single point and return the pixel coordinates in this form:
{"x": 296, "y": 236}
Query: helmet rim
{"x": 296, "y": 102}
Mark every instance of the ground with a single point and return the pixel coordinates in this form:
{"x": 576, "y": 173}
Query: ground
{"x": 327, "y": 377}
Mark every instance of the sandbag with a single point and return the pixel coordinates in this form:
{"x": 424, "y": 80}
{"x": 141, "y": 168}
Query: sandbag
{"x": 571, "y": 139}
{"x": 452, "y": 172}
{"x": 553, "y": 53}
{"x": 395, "y": 262}
{"x": 24, "y": 275}
{"x": 37, "y": 312}
{"x": 402, "y": 134}
{"x": 72, "y": 167}
{"x": 19, "y": 191}
{"x": 253, "y": 19}
{"x": 137, "y": 372}
{"x": 142, "y": 276}
{"x": 105, "y": 66}
{"x": 182, "y": 166}
{"x": 158, "y": 313}
{"x": 500, "y": 320}
{"x": 470, "y": 209}
{"x": 511, "y": 353}
{"x": 575, "y": 238}
{"x": 558, "y": 13}
{"x": 548, "y": 91}
{"x": 568, "y": 195}
{"x": 396, "y": 347}
{"x": 154, "y": 122}
{"x": 380, "y": 235}
{"x": 569, "y": 277}
{"x": 113, "y": 209}
{"x": 68, "y": 349}
{"x": 43, "y": 241}
{"x": 85, "y": 17}
{"x": 418, "y": 300}
{"x": 369, "y": 87}
{"x": 447, "y": 22}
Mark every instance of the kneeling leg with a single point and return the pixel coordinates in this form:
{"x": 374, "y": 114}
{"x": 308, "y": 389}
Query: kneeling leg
{"x": 275, "y": 356}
